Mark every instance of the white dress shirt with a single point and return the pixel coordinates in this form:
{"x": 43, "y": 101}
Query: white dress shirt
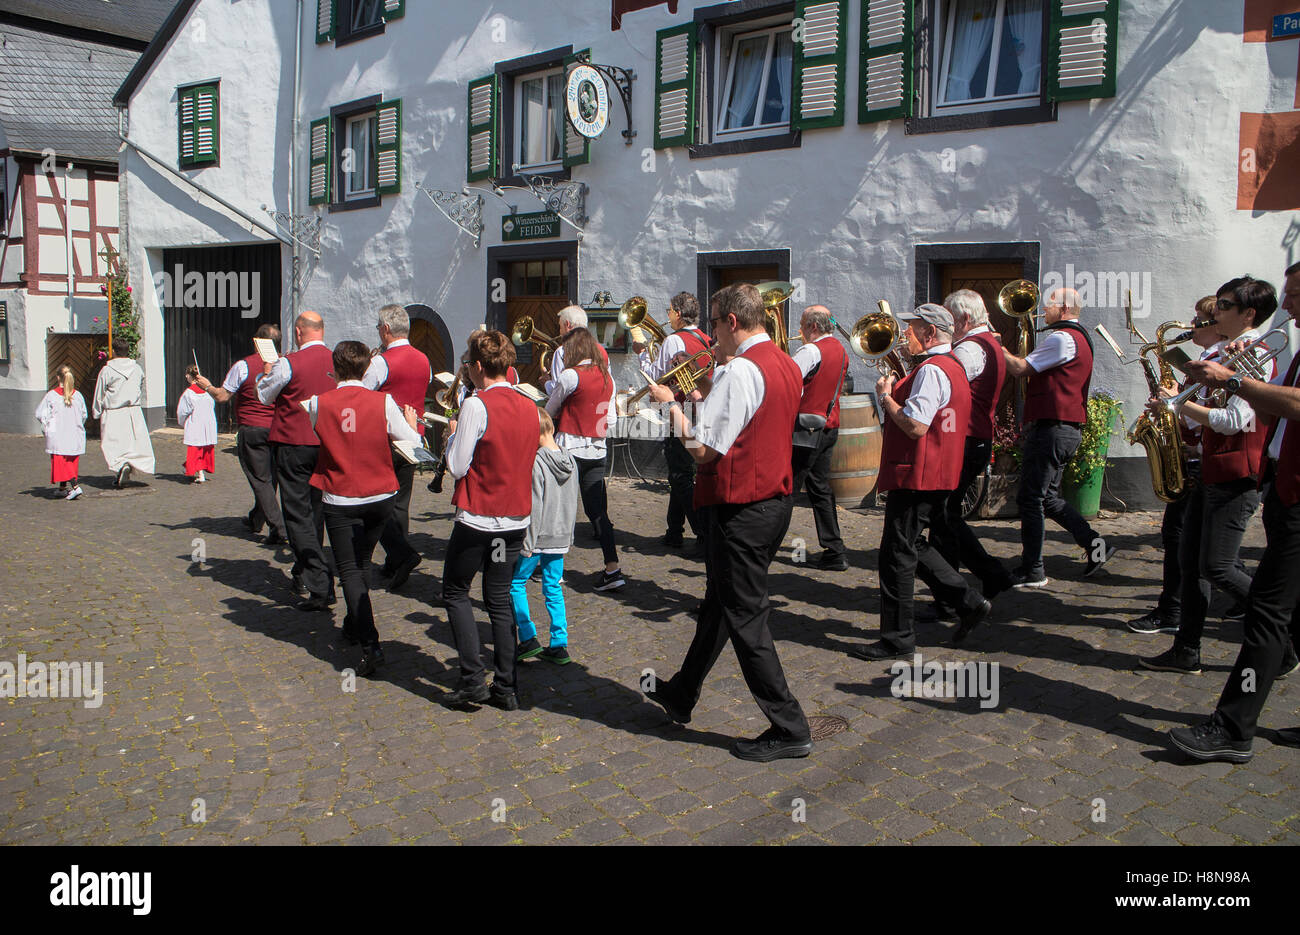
{"x": 578, "y": 446}
{"x": 930, "y": 391}
{"x": 557, "y": 368}
{"x": 1057, "y": 348}
{"x": 235, "y": 377}
{"x": 398, "y": 430}
{"x": 672, "y": 346}
{"x": 270, "y": 384}
{"x": 738, "y": 391}
{"x": 377, "y": 373}
{"x": 470, "y": 426}
{"x": 809, "y": 355}
{"x": 970, "y": 354}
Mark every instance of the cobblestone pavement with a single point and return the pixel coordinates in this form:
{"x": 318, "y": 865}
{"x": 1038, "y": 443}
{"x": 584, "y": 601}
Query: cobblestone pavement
{"x": 222, "y": 702}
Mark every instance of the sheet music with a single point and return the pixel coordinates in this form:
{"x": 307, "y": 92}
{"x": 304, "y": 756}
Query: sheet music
{"x": 413, "y": 453}
{"x": 265, "y": 348}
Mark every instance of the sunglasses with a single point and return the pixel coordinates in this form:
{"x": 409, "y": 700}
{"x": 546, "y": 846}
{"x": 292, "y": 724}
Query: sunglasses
{"x": 1224, "y": 305}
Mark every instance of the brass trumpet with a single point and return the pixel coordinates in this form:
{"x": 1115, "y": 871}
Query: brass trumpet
{"x": 633, "y": 314}
{"x": 685, "y": 377}
{"x": 774, "y": 295}
{"x": 525, "y": 333}
{"x": 1248, "y": 362}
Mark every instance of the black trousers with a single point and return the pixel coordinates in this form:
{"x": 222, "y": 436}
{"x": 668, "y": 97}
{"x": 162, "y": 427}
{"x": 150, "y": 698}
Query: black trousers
{"x": 591, "y": 483}
{"x": 905, "y": 553}
{"x": 1271, "y": 621}
{"x": 681, "y": 487}
{"x": 740, "y": 541}
{"x": 1049, "y": 445}
{"x": 812, "y": 469}
{"x": 954, "y": 538}
{"x": 354, "y": 530}
{"x": 469, "y": 552}
{"x": 304, "y": 515}
{"x": 1214, "y": 523}
{"x": 396, "y": 547}
{"x": 1170, "y": 604}
{"x": 258, "y": 462}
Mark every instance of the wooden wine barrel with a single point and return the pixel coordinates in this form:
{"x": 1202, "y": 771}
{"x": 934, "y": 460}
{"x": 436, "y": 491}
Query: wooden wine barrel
{"x": 855, "y": 459}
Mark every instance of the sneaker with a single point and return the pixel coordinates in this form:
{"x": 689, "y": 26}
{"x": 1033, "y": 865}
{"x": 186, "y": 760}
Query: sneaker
{"x": 1107, "y": 553}
{"x": 770, "y": 745}
{"x": 536, "y": 575}
{"x": 74, "y": 493}
{"x": 1175, "y": 659}
{"x": 528, "y": 649}
{"x": 371, "y": 658}
{"x": 608, "y": 580}
{"x": 200, "y": 479}
{"x": 1209, "y": 741}
{"x": 556, "y": 654}
{"x": 122, "y": 472}
{"x": 1021, "y": 580}
{"x": 1152, "y": 622}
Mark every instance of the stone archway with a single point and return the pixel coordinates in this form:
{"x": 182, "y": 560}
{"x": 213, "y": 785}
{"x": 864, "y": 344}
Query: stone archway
{"x": 429, "y": 335}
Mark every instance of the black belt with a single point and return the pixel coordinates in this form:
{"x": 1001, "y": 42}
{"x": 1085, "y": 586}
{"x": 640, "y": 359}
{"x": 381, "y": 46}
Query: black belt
{"x": 1051, "y": 422}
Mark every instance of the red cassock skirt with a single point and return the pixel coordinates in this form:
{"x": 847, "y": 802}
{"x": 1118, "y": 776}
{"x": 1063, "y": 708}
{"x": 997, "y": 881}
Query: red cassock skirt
{"x": 63, "y": 467}
{"x": 200, "y": 458}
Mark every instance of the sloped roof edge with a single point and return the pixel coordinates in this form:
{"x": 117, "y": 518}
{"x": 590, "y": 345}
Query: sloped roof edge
{"x": 160, "y": 42}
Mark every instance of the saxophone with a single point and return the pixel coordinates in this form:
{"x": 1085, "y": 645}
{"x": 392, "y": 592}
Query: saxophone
{"x": 1159, "y": 434}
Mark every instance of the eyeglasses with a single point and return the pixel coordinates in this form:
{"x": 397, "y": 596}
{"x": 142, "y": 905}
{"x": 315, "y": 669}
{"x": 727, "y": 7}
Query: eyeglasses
{"x": 718, "y": 321}
{"x": 1224, "y": 304}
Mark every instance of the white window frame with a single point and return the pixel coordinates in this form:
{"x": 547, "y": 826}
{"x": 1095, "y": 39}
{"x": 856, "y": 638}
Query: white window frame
{"x": 367, "y": 159}
{"x": 517, "y": 144}
{"x": 946, "y": 25}
{"x": 724, "y": 51}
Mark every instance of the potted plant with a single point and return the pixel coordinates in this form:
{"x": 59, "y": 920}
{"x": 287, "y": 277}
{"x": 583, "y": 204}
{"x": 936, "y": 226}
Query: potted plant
{"x": 1081, "y": 486}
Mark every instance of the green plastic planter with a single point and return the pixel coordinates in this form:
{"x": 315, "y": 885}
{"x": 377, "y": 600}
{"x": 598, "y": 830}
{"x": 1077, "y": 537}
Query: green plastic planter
{"x": 1085, "y": 497}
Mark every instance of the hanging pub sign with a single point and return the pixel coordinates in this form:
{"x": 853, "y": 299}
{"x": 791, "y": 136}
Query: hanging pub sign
{"x": 535, "y": 226}
{"x": 587, "y": 101}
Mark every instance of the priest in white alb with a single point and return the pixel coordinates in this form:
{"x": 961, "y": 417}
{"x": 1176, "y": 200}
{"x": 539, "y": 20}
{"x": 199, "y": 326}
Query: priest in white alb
{"x": 119, "y": 395}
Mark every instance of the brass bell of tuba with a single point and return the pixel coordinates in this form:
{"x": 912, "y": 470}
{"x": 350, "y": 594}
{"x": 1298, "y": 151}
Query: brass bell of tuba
{"x": 633, "y": 314}
{"x": 525, "y": 333}
{"x": 876, "y": 337}
{"x": 773, "y": 295}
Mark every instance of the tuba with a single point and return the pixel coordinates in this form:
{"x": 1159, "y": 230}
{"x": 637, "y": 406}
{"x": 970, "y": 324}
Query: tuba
{"x": 1019, "y": 299}
{"x": 632, "y": 314}
{"x": 774, "y": 294}
{"x": 876, "y": 337}
{"x": 524, "y": 333}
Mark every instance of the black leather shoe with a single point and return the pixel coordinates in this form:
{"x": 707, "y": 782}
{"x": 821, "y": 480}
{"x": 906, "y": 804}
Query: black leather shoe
{"x": 469, "y": 695}
{"x": 506, "y": 701}
{"x": 833, "y": 561}
{"x": 274, "y": 537}
{"x": 298, "y": 586}
{"x": 874, "y": 652}
{"x": 680, "y": 715}
{"x": 314, "y": 604}
{"x": 403, "y": 571}
{"x": 371, "y": 658}
{"x": 349, "y": 638}
{"x": 969, "y": 621}
{"x": 935, "y": 613}
{"x": 672, "y": 540}
{"x": 770, "y": 746}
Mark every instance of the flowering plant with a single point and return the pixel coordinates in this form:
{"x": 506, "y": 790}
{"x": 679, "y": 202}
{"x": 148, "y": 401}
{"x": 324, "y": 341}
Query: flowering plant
{"x": 1105, "y": 413}
{"x": 126, "y": 317}
{"x": 1006, "y": 437}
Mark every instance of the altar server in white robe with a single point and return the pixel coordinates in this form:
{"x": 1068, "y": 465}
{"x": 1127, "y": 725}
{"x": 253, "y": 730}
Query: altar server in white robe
{"x": 62, "y": 413}
{"x": 196, "y": 413}
{"x": 119, "y": 395}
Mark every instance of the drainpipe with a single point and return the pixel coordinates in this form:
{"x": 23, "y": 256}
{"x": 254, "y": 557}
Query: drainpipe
{"x": 294, "y": 297}
{"x": 67, "y": 232}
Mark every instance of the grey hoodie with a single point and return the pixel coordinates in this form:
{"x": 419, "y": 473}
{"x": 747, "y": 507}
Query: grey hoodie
{"x": 555, "y": 503}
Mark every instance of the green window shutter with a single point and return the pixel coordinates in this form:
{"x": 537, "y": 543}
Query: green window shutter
{"x": 1082, "y": 54}
{"x": 675, "y": 56}
{"x": 817, "y": 96}
{"x": 481, "y": 129}
{"x": 199, "y": 125}
{"x": 394, "y": 9}
{"x": 326, "y": 21}
{"x": 886, "y": 72}
{"x": 388, "y": 151}
{"x": 577, "y": 148}
{"x": 319, "y": 161}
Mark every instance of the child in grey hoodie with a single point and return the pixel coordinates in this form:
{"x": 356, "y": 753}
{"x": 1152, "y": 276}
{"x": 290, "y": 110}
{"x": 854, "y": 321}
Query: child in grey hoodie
{"x": 550, "y": 533}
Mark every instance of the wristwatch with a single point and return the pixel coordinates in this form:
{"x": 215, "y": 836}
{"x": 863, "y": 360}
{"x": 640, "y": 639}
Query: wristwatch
{"x": 1233, "y": 383}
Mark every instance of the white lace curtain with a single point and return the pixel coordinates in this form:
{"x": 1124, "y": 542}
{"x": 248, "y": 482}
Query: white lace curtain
{"x": 746, "y": 79}
{"x": 1025, "y": 18}
{"x": 972, "y": 37}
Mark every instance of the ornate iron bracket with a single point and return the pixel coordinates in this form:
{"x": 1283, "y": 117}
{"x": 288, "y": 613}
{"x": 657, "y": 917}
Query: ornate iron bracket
{"x": 622, "y": 79}
{"x": 305, "y": 230}
{"x": 463, "y": 209}
{"x": 566, "y": 199}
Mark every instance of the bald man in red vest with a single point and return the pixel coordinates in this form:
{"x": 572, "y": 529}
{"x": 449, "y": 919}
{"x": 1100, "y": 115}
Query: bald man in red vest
{"x": 741, "y": 441}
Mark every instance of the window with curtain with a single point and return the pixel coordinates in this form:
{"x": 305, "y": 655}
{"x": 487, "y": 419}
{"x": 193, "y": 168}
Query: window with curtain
{"x": 754, "y": 98}
{"x": 358, "y": 162}
{"x": 366, "y": 13}
{"x": 539, "y": 120}
{"x": 989, "y": 54}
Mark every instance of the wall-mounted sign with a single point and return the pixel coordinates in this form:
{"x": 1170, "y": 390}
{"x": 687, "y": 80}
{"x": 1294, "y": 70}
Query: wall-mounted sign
{"x": 533, "y": 226}
{"x": 1286, "y": 24}
{"x": 587, "y": 101}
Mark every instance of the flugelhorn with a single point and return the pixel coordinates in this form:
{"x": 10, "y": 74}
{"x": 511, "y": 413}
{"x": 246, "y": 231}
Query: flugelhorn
{"x": 876, "y": 337}
{"x": 1247, "y": 362}
{"x": 633, "y": 314}
{"x": 773, "y": 295}
{"x": 684, "y": 378}
{"x": 525, "y": 333}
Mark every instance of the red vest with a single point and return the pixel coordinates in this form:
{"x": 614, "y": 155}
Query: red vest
{"x": 822, "y": 391}
{"x": 250, "y": 410}
{"x": 500, "y": 477}
{"x": 1286, "y": 474}
{"x": 757, "y": 466}
{"x": 408, "y": 378}
{"x": 309, "y": 376}
{"x": 986, "y": 389}
{"x": 355, "y": 458}
{"x": 694, "y": 341}
{"x": 585, "y": 411}
{"x": 933, "y": 461}
{"x": 512, "y": 375}
{"x": 1232, "y": 457}
{"x": 1062, "y": 392}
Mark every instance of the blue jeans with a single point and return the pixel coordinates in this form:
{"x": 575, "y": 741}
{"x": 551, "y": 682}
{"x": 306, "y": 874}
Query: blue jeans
{"x": 552, "y": 570}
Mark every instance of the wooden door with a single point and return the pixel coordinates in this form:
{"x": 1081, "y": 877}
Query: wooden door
{"x": 81, "y": 353}
{"x": 545, "y": 313}
{"x": 988, "y": 279}
{"x": 731, "y": 275}
{"x": 424, "y": 337}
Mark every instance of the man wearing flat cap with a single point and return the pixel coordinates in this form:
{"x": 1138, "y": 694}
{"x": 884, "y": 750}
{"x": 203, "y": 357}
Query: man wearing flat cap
{"x": 926, "y": 417}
